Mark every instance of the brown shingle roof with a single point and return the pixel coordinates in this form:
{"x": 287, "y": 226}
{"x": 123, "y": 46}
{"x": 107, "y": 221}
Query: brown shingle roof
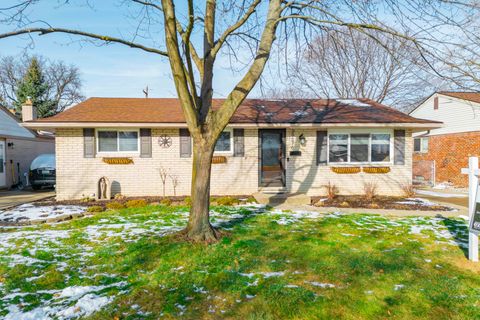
{"x": 166, "y": 110}
{"x": 470, "y": 96}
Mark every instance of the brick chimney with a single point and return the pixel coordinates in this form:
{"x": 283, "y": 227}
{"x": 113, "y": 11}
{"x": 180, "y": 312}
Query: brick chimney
{"x": 29, "y": 112}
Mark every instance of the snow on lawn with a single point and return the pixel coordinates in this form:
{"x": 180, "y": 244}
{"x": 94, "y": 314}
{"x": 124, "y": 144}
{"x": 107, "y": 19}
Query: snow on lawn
{"x": 39, "y": 248}
{"x": 31, "y": 213}
{"x": 421, "y": 202}
{"x": 71, "y": 302}
{"x": 87, "y": 288}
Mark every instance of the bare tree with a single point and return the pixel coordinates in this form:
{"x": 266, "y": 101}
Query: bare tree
{"x": 348, "y": 64}
{"x": 163, "y": 177}
{"x": 63, "y": 81}
{"x": 175, "y": 183}
{"x": 195, "y": 35}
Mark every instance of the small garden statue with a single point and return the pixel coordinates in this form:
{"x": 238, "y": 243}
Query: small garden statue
{"x": 103, "y": 189}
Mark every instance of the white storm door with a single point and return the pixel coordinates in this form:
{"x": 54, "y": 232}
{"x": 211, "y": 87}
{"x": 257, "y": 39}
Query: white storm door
{"x": 3, "y": 171}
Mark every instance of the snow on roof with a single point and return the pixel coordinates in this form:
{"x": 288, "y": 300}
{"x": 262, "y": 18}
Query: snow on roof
{"x": 354, "y": 102}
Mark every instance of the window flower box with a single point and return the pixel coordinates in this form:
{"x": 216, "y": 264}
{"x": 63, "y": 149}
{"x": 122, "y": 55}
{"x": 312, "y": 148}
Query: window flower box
{"x": 219, "y": 159}
{"x": 376, "y": 170}
{"x": 118, "y": 160}
{"x": 346, "y": 170}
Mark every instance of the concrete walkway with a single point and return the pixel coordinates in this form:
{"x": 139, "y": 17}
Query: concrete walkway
{"x": 448, "y": 196}
{"x": 10, "y": 199}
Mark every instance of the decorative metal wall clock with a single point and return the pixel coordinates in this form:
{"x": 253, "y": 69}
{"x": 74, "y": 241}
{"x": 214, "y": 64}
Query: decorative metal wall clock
{"x": 165, "y": 141}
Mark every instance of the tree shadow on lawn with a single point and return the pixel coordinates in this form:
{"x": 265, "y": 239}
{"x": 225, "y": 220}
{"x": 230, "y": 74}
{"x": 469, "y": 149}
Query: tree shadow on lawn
{"x": 458, "y": 232}
{"x": 237, "y": 221}
{"x": 352, "y": 272}
{"x": 161, "y": 286}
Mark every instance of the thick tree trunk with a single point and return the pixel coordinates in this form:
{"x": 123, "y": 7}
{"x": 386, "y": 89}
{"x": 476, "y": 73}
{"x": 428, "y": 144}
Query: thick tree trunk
{"x": 199, "y": 228}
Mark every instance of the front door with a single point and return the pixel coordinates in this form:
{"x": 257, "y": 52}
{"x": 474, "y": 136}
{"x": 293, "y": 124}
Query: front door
{"x": 272, "y": 157}
{"x": 3, "y": 172}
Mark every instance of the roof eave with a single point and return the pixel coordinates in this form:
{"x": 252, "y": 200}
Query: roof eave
{"x": 421, "y": 126}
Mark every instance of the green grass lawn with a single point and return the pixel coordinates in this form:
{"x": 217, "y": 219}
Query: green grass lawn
{"x": 128, "y": 264}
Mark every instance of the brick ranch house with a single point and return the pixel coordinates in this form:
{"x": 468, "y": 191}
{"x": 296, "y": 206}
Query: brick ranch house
{"x": 19, "y": 146}
{"x": 293, "y": 146}
{"x": 442, "y": 152}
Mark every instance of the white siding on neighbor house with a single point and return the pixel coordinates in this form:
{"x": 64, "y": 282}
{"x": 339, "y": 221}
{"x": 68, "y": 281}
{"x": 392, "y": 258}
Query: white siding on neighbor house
{"x": 457, "y": 115}
{"x": 77, "y": 176}
{"x": 11, "y": 128}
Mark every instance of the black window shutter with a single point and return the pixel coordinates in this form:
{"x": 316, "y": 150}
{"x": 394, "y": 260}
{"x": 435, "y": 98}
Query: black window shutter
{"x": 399, "y": 146}
{"x": 238, "y": 143}
{"x": 322, "y": 148}
{"x": 185, "y": 144}
{"x": 88, "y": 143}
{"x": 145, "y": 143}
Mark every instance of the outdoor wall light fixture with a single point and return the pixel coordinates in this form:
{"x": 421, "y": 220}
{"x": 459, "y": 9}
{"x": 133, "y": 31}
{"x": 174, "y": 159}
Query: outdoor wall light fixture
{"x": 11, "y": 145}
{"x": 302, "y": 139}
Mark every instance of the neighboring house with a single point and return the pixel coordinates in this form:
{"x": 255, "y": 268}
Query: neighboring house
{"x": 294, "y": 146}
{"x": 19, "y": 146}
{"x": 441, "y": 153}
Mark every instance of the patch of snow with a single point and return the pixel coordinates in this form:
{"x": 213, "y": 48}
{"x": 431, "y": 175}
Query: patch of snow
{"x": 85, "y": 306}
{"x": 353, "y": 102}
{"x": 86, "y": 301}
{"x": 398, "y": 287}
{"x": 181, "y": 307}
{"x": 253, "y": 284}
{"x": 29, "y": 212}
{"x": 248, "y": 275}
{"x": 267, "y": 275}
{"x": 321, "y": 284}
{"x": 286, "y": 218}
{"x": 417, "y": 201}
{"x": 300, "y": 113}
{"x": 199, "y": 289}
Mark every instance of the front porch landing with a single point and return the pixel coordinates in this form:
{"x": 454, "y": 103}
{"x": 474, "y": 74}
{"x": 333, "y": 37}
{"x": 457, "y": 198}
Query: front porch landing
{"x": 275, "y": 199}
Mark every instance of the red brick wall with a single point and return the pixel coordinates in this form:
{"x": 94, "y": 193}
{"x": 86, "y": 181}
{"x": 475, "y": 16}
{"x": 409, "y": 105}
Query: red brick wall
{"x": 451, "y": 152}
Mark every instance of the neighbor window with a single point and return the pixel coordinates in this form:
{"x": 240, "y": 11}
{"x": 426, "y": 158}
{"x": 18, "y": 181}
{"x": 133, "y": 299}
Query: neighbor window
{"x": 117, "y": 141}
{"x": 224, "y": 142}
{"x": 420, "y": 145}
{"x": 359, "y": 147}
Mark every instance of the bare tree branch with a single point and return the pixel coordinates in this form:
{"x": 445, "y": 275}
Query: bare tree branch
{"x": 105, "y": 39}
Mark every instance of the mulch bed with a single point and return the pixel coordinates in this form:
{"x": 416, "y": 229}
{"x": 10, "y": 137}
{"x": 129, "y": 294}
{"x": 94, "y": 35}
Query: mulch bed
{"x": 379, "y": 202}
{"x": 179, "y": 200}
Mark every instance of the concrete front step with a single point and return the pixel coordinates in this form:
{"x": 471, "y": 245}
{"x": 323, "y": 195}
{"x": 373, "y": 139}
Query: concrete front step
{"x": 282, "y": 198}
{"x": 272, "y": 190}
